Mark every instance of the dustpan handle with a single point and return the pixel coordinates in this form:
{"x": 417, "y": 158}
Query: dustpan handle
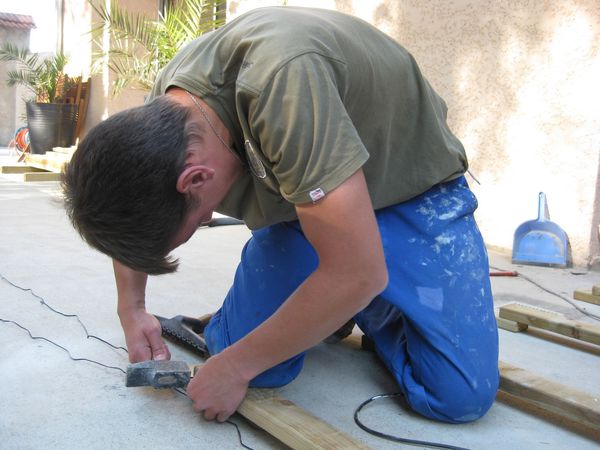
{"x": 543, "y": 213}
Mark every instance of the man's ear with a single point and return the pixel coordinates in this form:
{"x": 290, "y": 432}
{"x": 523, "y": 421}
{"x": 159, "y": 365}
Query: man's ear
{"x": 193, "y": 177}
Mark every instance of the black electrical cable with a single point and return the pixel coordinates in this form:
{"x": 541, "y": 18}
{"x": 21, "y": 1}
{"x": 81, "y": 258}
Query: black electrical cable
{"x": 229, "y": 421}
{"x": 59, "y": 346}
{"x": 239, "y": 433}
{"x": 44, "y": 303}
{"x": 568, "y": 300}
{"x": 398, "y": 439}
{"x": 54, "y": 310}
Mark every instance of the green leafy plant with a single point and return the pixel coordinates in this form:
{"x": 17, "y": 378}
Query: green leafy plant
{"x": 141, "y": 46}
{"x": 45, "y": 78}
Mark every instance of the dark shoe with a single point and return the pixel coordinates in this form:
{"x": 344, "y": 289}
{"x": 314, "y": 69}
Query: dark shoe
{"x": 342, "y": 333}
{"x": 367, "y": 343}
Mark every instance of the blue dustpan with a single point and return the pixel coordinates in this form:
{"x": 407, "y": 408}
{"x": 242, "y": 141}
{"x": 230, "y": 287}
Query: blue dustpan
{"x": 541, "y": 242}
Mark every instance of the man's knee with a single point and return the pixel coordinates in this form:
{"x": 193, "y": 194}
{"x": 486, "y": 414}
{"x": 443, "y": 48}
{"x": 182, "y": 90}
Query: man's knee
{"x": 465, "y": 400}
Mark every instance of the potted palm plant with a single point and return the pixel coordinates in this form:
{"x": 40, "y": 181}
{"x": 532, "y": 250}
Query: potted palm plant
{"x": 50, "y": 118}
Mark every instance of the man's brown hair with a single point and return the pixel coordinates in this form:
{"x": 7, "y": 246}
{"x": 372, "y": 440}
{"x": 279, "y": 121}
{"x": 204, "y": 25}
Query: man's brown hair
{"x": 120, "y": 185}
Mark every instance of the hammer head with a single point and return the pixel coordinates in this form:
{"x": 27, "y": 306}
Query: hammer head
{"x": 158, "y": 374}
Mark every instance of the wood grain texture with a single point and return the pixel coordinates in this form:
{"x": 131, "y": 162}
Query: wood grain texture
{"x": 550, "y": 321}
{"x": 292, "y": 425}
{"x": 41, "y": 176}
{"x": 510, "y": 325}
{"x": 550, "y": 396}
{"x": 50, "y": 161}
{"x": 586, "y": 296}
{"x": 18, "y": 169}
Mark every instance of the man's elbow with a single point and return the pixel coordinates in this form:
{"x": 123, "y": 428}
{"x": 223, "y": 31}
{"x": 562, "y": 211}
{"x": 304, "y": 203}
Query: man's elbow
{"x": 373, "y": 282}
{"x": 380, "y": 280}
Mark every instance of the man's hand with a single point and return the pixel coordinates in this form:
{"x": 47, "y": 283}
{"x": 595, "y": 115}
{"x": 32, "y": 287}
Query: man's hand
{"x": 217, "y": 389}
{"x": 142, "y": 330}
{"x": 143, "y": 337}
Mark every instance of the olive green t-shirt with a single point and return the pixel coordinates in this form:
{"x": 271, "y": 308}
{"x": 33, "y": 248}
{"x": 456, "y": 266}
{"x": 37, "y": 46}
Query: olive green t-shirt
{"x": 310, "y": 96}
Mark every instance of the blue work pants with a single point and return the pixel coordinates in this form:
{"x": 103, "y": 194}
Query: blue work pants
{"x": 433, "y": 326}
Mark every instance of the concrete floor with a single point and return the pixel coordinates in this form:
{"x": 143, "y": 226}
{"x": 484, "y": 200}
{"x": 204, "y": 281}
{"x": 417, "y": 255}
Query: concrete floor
{"x": 49, "y": 401}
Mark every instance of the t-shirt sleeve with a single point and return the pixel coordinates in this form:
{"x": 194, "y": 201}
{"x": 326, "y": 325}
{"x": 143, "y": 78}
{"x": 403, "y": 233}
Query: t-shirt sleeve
{"x": 304, "y": 131}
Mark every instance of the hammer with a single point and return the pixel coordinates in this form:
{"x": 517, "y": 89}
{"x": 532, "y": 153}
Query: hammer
{"x": 160, "y": 374}
{"x": 171, "y": 374}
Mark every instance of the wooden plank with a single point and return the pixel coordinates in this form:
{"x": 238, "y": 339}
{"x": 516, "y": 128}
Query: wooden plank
{"x": 41, "y": 176}
{"x": 18, "y": 169}
{"x": 82, "y": 102}
{"x": 289, "y": 423}
{"x": 52, "y": 162}
{"x": 64, "y": 150}
{"x": 83, "y": 105}
{"x": 510, "y": 325}
{"x": 586, "y": 296}
{"x": 292, "y": 425}
{"x": 551, "y": 321}
{"x": 550, "y": 396}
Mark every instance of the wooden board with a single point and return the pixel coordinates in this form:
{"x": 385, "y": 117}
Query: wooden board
{"x": 510, "y": 325}
{"x": 550, "y": 396}
{"x": 586, "y": 296}
{"x": 18, "y": 169}
{"x": 292, "y": 425}
{"x": 551, "y": 321}
{"x": 65, "y": 150}
{"x": 41, "y": 176}
{"x": 51, "y": 161}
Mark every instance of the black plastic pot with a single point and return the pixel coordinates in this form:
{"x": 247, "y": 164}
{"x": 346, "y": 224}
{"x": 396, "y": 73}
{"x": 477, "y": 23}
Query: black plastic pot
{"x": 51, "y": 125}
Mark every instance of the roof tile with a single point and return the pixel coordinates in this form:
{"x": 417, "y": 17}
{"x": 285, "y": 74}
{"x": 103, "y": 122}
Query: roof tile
{"x": 9, "y": 20}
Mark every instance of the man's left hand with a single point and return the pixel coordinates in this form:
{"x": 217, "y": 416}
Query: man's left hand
{"x": 217, "y": 389}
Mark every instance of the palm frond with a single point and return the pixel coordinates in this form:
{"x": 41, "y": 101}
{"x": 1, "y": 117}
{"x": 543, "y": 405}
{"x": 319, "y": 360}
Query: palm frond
{"x": 40, "y": 76}
{"x": 140, "y": 46}
{"x": 123, "y": 25}
{"x": 21, "y": 77}
{"x": 22, "y": 56}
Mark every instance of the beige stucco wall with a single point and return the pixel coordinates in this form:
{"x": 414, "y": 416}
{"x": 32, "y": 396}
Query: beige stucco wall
{"x": 521, "y": 80}
{"x": 77, "y": 43}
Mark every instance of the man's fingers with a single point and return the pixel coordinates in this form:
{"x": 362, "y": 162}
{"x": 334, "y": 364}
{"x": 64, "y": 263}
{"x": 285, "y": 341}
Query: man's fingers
{"x": 209, "y": 415}
{"x": 161, "y": 353}
{"x": 223, "y": 416}
{"x": 215, "y": 391}
{"x": 159, "y": 349}
{"x": 138, "y": 354}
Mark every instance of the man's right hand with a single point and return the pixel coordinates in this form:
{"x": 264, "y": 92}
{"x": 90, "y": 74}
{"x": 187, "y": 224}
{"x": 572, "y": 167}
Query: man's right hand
{"x": 142, "y": 330}
{"x": 143, "y": 337}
